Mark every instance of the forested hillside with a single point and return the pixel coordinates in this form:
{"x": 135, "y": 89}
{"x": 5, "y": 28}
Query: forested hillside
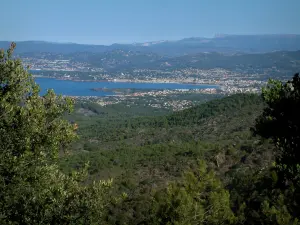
{"x": 232, "y": 160}
{"x": 145, "y": 153}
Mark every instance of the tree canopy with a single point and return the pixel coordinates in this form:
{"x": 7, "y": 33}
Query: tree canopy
{"x": 281, "y": 122}
{"x": 240, "y": 179}
{"x": 32, "y": 132}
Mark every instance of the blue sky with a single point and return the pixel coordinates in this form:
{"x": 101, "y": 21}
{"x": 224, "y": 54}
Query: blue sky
{"x": 127, "y": 21}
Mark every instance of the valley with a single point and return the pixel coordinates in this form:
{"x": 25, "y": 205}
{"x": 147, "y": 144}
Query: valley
{"x": 125, "y": 137}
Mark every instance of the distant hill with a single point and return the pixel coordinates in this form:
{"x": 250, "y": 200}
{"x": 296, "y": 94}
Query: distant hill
{"x": 62, "y": 48}
{"x": 222, "y": 43}
{"x": 217, "y": 119}
{"x": 225, "y": 107}
{"x": 282, "y": 61}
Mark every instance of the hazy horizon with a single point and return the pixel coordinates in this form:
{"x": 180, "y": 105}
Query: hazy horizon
{"x": 147, "y": 41}
{"x": 114, "y": 21}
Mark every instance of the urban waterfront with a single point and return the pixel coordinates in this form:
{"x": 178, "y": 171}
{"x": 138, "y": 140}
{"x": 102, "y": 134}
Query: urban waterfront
{"x": 84, "y": 88}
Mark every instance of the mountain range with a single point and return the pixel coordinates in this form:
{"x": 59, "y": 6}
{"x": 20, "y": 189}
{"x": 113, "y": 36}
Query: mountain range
{"x": 229, "y": 44}
{"x": 120, "y": 60}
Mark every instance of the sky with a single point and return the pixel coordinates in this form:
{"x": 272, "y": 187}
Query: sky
{"x": 128, "y": 21}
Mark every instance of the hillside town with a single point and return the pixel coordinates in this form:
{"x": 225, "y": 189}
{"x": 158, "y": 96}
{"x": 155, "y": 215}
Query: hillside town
{"x": 228, "y": 81}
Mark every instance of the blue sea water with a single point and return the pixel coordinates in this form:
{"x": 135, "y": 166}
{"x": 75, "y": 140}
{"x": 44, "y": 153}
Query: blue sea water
{"x": 75, "y": 88}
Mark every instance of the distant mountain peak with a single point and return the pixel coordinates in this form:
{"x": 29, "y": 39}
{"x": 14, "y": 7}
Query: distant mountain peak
{"x": 224, "y": 43}
{"x": 149, "y": 43}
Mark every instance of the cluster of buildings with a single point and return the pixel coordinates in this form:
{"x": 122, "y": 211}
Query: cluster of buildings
{"x": 45, "y": 64}
{"x": 228, "y": 81}
{"x": 178, "y": 105}
{"x": 159, "y": 103}
{"x": 167, "y": 92}
{"x": 238, "y": 80}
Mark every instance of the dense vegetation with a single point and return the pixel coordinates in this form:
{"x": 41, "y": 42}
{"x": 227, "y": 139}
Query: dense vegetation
{"x": 33, "y": 190}
{"x": 233, "y": 160}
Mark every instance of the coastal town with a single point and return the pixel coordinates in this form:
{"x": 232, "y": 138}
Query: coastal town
{"x": 228, "y": 82}
{"x": 218, "y": 81}
{"x": 151, "y": 100}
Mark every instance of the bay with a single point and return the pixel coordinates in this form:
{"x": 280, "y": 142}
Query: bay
{"x": 83, "y": 88}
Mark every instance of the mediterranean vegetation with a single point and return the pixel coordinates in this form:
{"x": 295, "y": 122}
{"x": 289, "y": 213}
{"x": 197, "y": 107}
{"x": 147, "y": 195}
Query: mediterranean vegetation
{"x": 230, "y": 160}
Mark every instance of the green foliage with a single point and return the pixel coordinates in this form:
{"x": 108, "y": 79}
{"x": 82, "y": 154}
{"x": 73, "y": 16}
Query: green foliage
{"x": 198, "y": 199}
{"x": 280, "y": 121}
{"x": 30, "y": 124}
{"x": 144, "y": 153}
{"x": 274, "y": 197}
{"x": 256, "y": 199}
{"x": 278, "y": 213}
{"x": 242, "y": 181}
{"x": 44, "y": 195}
{"x": 32, "y": 132}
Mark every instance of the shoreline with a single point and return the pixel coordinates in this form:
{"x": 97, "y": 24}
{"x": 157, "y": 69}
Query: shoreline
{"x": 127, "y": 81}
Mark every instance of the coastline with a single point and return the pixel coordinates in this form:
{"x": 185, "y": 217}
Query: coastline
{"x": 128, "y": 81}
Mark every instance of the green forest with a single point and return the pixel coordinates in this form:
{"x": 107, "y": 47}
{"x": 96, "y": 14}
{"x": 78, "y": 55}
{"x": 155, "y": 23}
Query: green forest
{"x": 231, "y": 160}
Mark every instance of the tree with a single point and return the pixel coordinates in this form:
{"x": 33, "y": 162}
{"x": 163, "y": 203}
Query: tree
{"x": 280, "y": 121}
{"x": 199, "y": 199}
{"x": 32, "y": 132}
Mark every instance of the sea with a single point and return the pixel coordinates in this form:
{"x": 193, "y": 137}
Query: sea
{"x": 83, "y": 88}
